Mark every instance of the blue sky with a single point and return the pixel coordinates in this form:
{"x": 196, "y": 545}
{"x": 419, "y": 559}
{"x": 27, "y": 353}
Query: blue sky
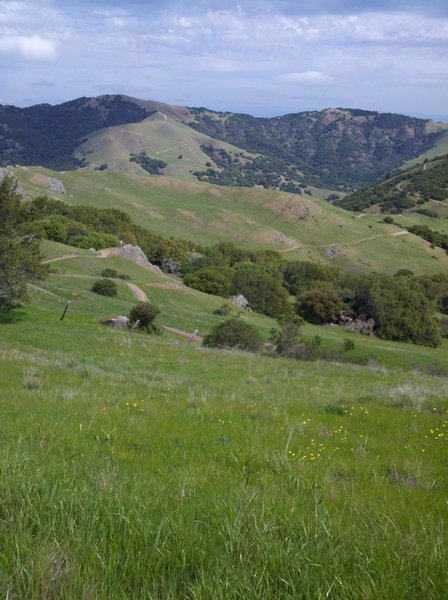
{"x": 263, "y": 57}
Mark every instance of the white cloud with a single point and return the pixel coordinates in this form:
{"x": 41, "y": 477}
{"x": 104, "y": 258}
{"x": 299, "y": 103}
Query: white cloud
{"x": 310, "y": 77}
{"x": 30, "y": 48}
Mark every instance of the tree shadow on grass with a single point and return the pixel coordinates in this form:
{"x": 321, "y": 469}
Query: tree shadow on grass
{"x": 8, "y": 317}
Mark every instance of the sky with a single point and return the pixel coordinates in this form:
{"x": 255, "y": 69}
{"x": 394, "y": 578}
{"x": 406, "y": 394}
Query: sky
{"x": 262, "y": 57}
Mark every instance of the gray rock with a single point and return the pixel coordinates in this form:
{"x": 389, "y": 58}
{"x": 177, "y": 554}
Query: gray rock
{"x": 136, "y": 255}
{"x": 55, "y": 185}
{"x": 119, "y": 322}
{"x": 240, "y": 302}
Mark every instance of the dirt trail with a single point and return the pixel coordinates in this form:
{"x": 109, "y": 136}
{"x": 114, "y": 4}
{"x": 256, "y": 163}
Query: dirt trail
{"x": 373, "y": 237}
{"x": 50, "y": 260}
{"x": 139, "y": 294}
{"x": 44, "y": 291}
{"x": 173, "y": 148}
{"x": 187, "y": 334}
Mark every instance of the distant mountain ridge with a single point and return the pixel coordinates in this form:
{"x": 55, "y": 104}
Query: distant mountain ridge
{"x": 337, "y": 148}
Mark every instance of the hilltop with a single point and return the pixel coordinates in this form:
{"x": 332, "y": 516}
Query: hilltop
{"x": 334, "y": 148}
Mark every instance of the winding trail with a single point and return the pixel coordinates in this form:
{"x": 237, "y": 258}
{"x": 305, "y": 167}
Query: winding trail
{"x": 139, "y": 294}
{"x": 373, "y": 237}
{"x": 50, "y": 260}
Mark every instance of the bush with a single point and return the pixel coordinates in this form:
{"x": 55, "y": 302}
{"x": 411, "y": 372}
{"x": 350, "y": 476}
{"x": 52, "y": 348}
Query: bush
{"x": 389, "y": 220}
{"x": 224, "y": 310}
{"x": 105, "y": 287}
{"x": 211, "y": 280}
{"x": 319, "y": 305}
{"x": 400, "y": 310}
{"x": 144, "y": 313}
{"x": 348, "y": 345}
{"x": 111, "y": 273}
{"x": 234, "y": 334}
{"x": 264, "y": 293}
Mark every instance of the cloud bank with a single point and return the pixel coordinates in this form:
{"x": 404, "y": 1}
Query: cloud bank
{"x": 264, "y": 58}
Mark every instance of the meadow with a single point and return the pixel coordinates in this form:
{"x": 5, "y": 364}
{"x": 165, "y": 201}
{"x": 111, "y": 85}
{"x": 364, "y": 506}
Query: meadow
{"x": 300, "y": 227}
{"x": 136, "y": 466}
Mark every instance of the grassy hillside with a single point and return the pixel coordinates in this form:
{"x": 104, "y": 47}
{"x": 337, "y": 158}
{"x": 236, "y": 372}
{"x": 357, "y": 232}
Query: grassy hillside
{"x": 299, "y": 227}
{"x": 150, "y": 467}
{"x": 440, "y": 148}
{"x": 161, "y": 136}
{"x": 406, "y": 190}
{"x": 335, "y": 148}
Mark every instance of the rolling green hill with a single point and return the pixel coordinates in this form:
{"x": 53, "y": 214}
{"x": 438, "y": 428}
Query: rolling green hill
{"x": 334, "y": 148}
{"x": 298, "y": 227}
{"x": 161, "y": 136}
{"x": 421, "y": 186}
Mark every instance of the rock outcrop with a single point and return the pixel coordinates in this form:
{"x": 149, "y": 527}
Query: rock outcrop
{"x": 240, "y": 302}
{"x": 134, "y": 254}
{"x": 119, "y": 322}
{"x": 55, "y": 185}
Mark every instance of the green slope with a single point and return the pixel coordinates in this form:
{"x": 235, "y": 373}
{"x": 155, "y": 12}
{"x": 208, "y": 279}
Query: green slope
{"x": 160, "y": 136}
{"x": 137, "y": 466}
{"x": 297, "y": 226}
{"x": 404, "y": 190}
{"x": 439, "y": 149}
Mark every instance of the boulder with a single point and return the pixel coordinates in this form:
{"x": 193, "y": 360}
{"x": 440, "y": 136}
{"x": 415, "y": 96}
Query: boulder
{"x": 136, "y": 255}
{"x": 55, "y": 185}
{"x": 119, "y": 322}
{"x": 240, "y": 302}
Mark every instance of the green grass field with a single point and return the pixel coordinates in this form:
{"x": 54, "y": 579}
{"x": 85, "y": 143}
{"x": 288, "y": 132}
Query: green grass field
{"x": 300, "y": 227}
{"x": 136, "y": 466}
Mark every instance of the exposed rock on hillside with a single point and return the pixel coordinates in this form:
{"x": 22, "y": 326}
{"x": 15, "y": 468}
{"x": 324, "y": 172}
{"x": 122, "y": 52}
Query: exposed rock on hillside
{"x": 56, "y": 186}
{"x": 240, "y": 302}
{"x": 134, "y": 254}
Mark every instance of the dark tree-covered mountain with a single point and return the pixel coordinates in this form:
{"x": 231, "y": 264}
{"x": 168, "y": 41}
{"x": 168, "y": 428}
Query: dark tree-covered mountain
{"x": 333, "y": 147}
{"x": 47, "y": 135}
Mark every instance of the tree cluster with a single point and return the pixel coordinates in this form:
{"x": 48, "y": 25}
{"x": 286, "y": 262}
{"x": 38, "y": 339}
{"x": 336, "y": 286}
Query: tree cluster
{"x": 20, "y": 257}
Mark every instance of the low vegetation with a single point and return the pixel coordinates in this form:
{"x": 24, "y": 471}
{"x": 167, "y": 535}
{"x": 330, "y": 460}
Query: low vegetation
{"x": 234, "y": 333}
{"x": 142, "y": 316}
{"x": 105, "y": 287}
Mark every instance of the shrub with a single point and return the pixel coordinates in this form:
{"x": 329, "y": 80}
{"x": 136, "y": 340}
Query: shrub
{"x": 234, "y": 334}
{"x": 400, "y": 310}
{"x": 105, "y": 287}
{"x": 211, "y": 280}
{"x": 389, "y": 220}
{"x": 224, "y": 310}
{"x": 264, "y": 293}
{"x": 111, "y": 273}
{"x": 285, "y": 339}
{"x": 348, "y": 345}
{"x": 144, "y": 313}
{"x": 319, "y": 305}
